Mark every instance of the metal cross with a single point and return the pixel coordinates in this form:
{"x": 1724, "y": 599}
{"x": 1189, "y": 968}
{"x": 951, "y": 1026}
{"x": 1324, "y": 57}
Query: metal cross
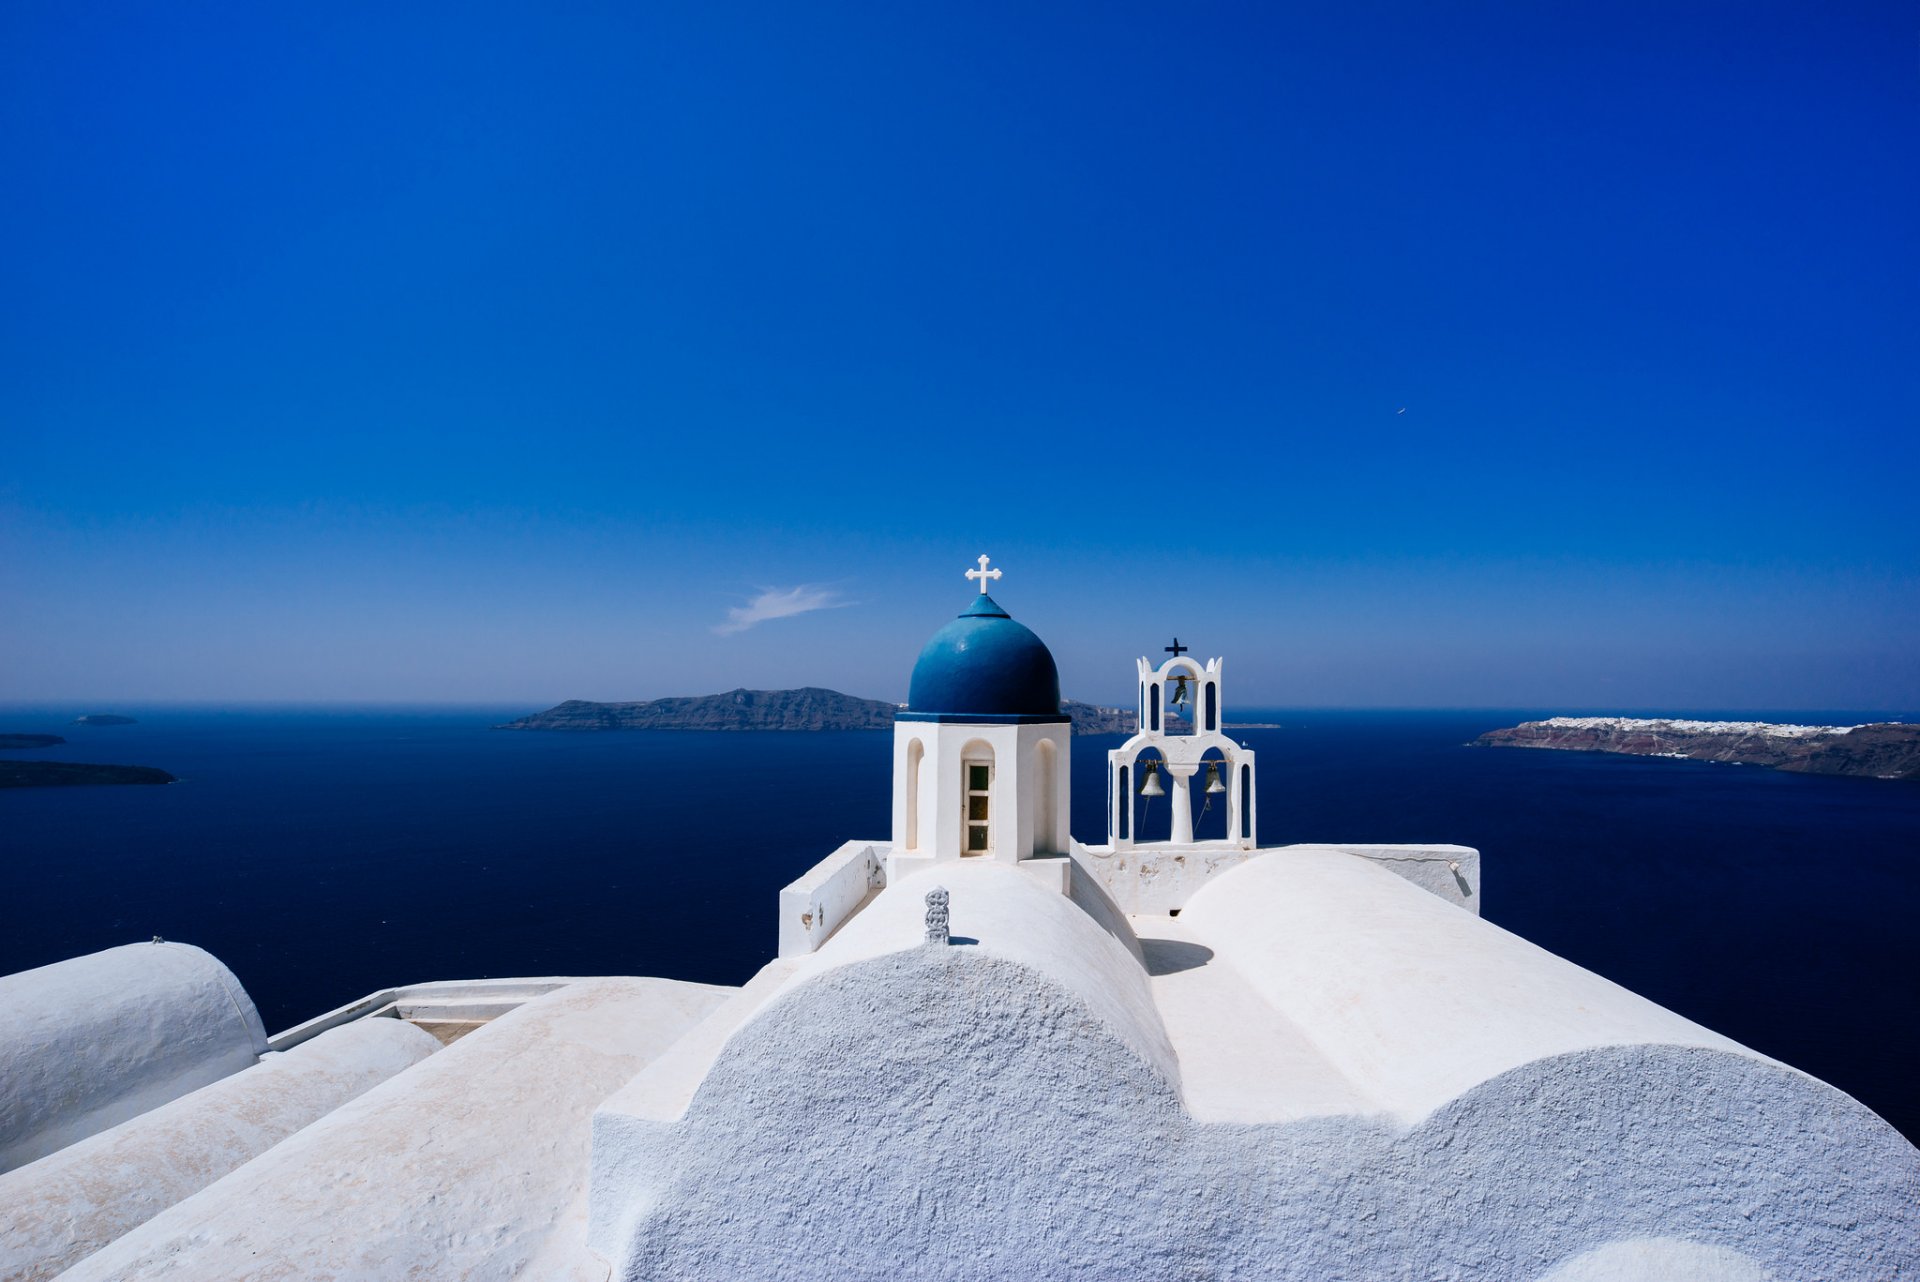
{"x": 983, "y": 574}
{"x": 1176, "y": 649}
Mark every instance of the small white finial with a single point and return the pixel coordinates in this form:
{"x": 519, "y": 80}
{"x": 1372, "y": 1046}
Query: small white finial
{"x": 983, "y": 574}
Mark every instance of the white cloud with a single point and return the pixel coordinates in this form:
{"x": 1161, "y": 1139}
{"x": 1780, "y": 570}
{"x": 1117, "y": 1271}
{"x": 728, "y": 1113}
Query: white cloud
{"x": 780, "y": 603}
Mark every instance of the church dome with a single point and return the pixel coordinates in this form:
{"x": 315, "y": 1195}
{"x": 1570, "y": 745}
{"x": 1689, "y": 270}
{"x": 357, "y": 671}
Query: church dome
{"x": 984, "y": 667}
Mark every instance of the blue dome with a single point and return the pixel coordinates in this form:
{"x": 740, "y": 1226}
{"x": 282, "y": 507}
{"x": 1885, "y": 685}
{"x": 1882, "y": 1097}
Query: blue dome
{"x": 984, "y": 667}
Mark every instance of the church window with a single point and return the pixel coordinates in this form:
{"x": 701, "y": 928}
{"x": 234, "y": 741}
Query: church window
{"x": 979, "y": 802}
{"x": 1213, "y": 707}
{"x": 1153, "y": 706}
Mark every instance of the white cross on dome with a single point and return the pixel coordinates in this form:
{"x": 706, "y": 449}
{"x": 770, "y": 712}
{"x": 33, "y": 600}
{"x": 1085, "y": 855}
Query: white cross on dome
{"x": 983, "y": 574}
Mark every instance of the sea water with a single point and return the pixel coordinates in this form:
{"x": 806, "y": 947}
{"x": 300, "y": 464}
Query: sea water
{"x": 326, "y": 854}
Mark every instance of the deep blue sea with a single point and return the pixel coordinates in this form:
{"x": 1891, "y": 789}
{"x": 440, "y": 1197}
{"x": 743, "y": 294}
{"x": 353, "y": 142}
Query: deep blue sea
{"x": 325, "y": 854}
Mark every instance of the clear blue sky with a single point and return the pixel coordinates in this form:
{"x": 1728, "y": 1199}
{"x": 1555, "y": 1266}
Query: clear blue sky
{"x": 1538, "y": 355}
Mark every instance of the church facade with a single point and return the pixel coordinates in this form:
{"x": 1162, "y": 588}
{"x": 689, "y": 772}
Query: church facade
{"x": 985, "y": 1050}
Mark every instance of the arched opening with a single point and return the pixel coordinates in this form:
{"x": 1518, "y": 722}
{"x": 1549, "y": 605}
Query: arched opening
{"x": 1213, "y": 707}
{"x": 1045, "y": 799}
{"x": 915, "y": 752}
{"x": 1152, "y": 815}
{"x": 1123, "y": 805}
{"x": 1153, "y": 706}
{"x": 976, "y": 799}
{"x": 1246, "y": 802}
{"x": 1183, "y": 702}
{"x": 1209, "y": 799}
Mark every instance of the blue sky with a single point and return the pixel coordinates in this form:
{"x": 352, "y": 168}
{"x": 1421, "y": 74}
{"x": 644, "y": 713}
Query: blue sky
{"x": 1538, "y": 355}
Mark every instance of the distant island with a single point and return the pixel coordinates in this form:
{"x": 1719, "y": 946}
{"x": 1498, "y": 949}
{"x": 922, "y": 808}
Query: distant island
{"x": 29, "y": 740}
{"x": 809, "y": 708}
{"x": 72, "y": 774}
{"x": 104, "y": 719}
{"x": 1883, "y": 750}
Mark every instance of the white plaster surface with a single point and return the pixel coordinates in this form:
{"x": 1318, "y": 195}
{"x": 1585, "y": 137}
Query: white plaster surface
{"x": 1240, "y": 1059}
{"x": 1156, "y": 878}
{"x": 1004, "y": 1108}
{"x": 1451, "y": 872}
{"x": 95, "y": 1040}
{"x": 462, "y": 1167}
{"x": 445, "y": 1000}
{"x": 996, "y": 907}
{"x": 1011, "y": 913}
{"x": 1162, "y": 877}
{"x": 662, "y": 1090}
{"x": 1659, "y": 1259}
{"x": 1412, "y": 1000}
{"x": 71, "y": 1203}
{"x": 815, "y": 903}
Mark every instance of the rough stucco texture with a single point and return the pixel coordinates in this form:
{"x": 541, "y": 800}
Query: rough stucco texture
{"x": 946, "y": 1113}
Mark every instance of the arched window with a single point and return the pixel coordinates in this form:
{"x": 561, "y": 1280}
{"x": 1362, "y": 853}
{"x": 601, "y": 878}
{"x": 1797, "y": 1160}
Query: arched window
{"x": 1153, "y": 704}
{"x": 915, "y": 751}
{"x": 1215, "y": 820}
{"x": 1213, "y": 707}
{"x": 1151, "y": 799}
{"x": 1123, "y": 805}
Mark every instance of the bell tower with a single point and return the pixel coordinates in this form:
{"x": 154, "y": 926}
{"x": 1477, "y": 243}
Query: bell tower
{"x": 1182, "y": 709}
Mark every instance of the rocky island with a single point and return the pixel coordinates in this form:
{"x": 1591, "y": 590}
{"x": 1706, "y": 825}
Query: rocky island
{"x": 15, "y": 741}
{"x": 1883, "y": 750}
{"x": 809, "y": 708}
{"x": 74, "y": 774}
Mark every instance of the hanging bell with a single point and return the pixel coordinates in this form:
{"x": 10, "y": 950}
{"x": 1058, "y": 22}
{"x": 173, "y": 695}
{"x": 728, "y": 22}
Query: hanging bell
{"x": 1150, "y": 787}
{"x": 1213, "y": 778}
{"x": 1179, "y": 691}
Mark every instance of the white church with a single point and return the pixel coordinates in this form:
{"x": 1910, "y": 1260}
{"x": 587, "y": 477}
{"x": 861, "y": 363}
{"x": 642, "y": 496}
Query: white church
{"x": 985, "y": 1049}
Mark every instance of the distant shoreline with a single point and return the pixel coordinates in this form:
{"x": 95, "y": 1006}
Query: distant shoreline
{"x": 1879, "y": 750}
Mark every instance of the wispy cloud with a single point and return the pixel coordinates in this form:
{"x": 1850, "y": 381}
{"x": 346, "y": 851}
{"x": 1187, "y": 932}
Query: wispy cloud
{"x": 780, "y": 603}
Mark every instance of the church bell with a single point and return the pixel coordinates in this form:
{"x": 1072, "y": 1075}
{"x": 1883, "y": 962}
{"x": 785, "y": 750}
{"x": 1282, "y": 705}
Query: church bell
{"x": 1213, "y": 778}
{"x": 1150, "y": 787}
